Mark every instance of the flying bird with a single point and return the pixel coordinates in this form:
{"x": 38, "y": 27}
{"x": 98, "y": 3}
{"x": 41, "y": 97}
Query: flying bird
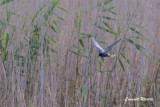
{"x": 104, "y": 53}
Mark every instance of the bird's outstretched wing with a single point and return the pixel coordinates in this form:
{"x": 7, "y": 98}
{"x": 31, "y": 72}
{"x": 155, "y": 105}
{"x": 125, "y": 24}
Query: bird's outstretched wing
{"x": 109, "y": 48}
{"x": 97, "y": 46}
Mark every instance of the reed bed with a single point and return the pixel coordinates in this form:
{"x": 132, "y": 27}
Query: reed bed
{"x": 47, "y": 58}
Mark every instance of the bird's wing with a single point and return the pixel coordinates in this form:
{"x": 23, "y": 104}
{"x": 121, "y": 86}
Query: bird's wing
{"x": 97, "y": 46}
{"x": 109, "y": 48}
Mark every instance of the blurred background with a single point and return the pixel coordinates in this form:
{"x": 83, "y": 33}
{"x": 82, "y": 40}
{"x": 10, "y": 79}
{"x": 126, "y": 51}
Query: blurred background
{"x": 47, "y": 58}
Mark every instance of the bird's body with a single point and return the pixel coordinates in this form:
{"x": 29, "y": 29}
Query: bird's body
{"x": 105, "y": 53}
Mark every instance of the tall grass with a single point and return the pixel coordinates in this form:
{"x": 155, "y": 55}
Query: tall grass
{"x": 47, "y": 58}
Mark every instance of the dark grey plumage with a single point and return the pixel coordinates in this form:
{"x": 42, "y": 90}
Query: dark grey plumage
{"x": 104, "y": 53}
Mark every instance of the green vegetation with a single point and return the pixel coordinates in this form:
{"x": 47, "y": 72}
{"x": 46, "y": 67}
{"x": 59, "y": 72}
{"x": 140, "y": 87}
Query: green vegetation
{"x": 47, "y": 57}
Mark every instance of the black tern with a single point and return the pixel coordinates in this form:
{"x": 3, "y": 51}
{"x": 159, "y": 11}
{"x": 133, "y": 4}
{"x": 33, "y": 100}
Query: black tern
{"x": 105, "y": 53}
